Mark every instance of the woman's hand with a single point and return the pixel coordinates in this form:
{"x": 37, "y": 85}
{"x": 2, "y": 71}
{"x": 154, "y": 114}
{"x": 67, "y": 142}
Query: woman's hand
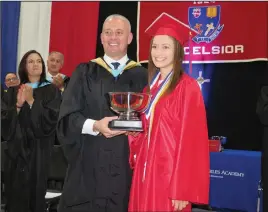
{"x": 28, "y": 93}
{"x": 179, "y": 204}
{"x": 134, "y": 134}
{"x": 20, "y": 97}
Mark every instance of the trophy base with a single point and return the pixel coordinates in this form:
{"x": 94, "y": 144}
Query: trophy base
{"x": 126, "y": 125}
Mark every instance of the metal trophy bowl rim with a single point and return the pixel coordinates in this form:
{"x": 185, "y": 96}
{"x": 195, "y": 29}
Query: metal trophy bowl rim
{"x": 129, "y": 93}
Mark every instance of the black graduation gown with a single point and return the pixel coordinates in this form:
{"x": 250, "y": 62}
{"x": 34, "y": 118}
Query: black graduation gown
{"x": 52, "y": 183}
{"x": 262, "y": 111}
{"x": 2, "y": 91}
{"x": 3, "y": 94}
{"x": 3, "y": 103}
{"x": 98, "y": 176}
{"x": 30, "y": 135}
{"x": 65, "y": 81}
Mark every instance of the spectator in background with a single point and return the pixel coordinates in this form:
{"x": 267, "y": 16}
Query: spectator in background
{"x": 54, "y": 65}
{"x": 28, "y": 124}
{"x": 11, "y": 80}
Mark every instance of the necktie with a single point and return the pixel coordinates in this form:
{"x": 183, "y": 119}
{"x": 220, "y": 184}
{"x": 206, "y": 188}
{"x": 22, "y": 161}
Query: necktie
{"x": 116, "y": 65}
{"x": 116, "y": 71}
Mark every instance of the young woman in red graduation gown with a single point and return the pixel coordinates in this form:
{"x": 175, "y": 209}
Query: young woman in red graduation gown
{"x": 171, "y": 157}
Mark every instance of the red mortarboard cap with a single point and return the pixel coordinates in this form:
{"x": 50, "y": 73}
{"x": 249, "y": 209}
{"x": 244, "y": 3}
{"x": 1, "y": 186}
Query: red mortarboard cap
{"x": 166, "y": 24}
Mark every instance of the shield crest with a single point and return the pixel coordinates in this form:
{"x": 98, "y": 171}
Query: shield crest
{"x": 205, "y": 20}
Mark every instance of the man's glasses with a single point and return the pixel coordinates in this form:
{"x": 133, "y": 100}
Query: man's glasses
{"x": 11, "y": 79}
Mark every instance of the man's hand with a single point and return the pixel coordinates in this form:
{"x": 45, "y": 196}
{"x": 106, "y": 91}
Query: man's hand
{"x": 102, "y": 127}
{"x": 58, "y": 81}
{"x": 179, "y": 204}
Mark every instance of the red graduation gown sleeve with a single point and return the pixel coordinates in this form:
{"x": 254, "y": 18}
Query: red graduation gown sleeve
{"x": 190, "y": 176}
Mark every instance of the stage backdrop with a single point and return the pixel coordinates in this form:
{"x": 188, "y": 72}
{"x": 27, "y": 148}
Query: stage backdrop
{"x": 230, "y": 61}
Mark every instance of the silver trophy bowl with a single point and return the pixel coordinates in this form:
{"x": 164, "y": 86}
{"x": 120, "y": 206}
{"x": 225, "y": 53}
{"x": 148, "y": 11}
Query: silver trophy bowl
{"x": 129, "y": 106}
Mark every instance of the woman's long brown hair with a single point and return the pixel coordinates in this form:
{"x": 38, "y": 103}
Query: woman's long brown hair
{"x": 177, "y": 66}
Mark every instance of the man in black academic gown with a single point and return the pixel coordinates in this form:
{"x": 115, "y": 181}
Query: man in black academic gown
{"x": 55, "y": 63}
{"x": 262, "y": 111}
{"x": 98, "y": 176}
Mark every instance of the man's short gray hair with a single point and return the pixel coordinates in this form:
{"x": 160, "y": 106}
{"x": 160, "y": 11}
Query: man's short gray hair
{"x": 119, "y": 17}
{"x": 62, "y": 56}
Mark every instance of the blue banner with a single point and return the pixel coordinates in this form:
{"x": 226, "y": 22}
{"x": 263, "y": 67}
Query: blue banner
{"x": 234, "y": 179}
{"x": 10, "y": 14}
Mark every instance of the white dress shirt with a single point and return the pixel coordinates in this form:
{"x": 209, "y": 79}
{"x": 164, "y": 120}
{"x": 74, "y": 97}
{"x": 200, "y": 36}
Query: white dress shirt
{"x": 122, "y": 61}
{"x": 88, "y": 125}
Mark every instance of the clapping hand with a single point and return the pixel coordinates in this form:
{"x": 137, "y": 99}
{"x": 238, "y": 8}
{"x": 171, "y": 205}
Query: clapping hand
{"x": 58, "y": 81}
{"x": 28, "y": 94}
{"x": 20, "y": 97}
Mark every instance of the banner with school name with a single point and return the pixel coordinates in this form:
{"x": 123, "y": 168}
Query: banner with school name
{"x": 227, "y": 31}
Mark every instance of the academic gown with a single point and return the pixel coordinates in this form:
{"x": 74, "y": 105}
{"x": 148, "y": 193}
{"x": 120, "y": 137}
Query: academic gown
{"x": 66, "y": 80}
{"x": 98, "y": 176}
{"x": 52, "y": 183}
{"x": 177, "y": 156}
{"x": 3, "y": 103}
{"x": 30, "y": 135}
{"x": 262, "y": 111}
{"x": 2, "y": 91}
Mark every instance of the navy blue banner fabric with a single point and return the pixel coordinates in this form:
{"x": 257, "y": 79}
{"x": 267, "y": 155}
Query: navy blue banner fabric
{"x": 10, "y": 13}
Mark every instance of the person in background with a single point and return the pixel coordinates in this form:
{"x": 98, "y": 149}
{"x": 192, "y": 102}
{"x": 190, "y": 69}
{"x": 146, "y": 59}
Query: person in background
{"x": 99, "y": 175}
{"x": 54, "y": 65}
{"x": 28, "y": 124}
{"x": 171, "y": 157}
{"x": 262, "y": 111}
{"x": 11, "y": 80}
